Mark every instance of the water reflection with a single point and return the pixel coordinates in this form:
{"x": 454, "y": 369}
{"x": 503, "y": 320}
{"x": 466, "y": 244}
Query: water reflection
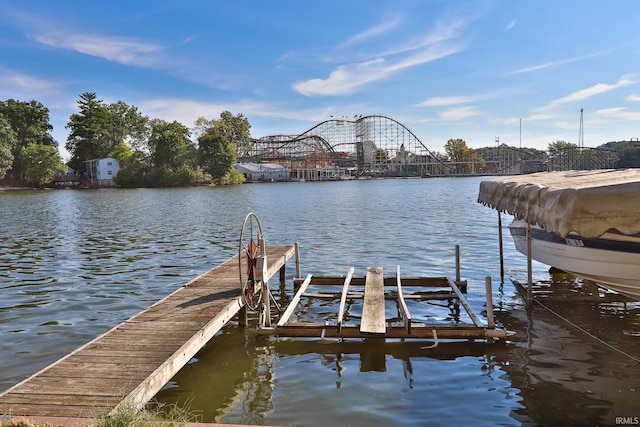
{"x": 76, "y": 263}
{"x": 562, "y": 360}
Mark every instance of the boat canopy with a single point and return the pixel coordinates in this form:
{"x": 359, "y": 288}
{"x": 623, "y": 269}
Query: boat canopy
{"x": 589, "y": 203}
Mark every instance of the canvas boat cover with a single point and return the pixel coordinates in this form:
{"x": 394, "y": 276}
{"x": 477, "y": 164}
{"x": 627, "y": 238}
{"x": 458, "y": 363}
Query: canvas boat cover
{"x": 586, "y": 202}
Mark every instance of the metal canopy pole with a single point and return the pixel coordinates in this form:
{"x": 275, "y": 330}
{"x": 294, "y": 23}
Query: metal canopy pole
{"x": 501, "y": 248}
{"x": 529, "y": 268}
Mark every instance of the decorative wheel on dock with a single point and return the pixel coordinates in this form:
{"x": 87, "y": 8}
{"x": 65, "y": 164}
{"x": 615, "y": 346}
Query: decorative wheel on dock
{"x": 251, "y": 251}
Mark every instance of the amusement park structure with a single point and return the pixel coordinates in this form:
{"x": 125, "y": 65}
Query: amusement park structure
{"x": 379, "y": 146}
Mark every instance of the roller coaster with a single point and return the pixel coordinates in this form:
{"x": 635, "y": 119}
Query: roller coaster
{"x": 379, "y": 146}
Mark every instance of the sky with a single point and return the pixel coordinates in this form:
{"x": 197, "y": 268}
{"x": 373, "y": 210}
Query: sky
{"x": 517, "y": 72}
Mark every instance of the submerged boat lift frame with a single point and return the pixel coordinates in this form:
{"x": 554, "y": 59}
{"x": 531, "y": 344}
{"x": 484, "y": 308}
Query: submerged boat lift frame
{"x": 374, "y": 324}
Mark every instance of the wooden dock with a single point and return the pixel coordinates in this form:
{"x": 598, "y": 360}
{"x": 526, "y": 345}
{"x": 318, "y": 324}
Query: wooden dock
{"x": 129, "y": 364}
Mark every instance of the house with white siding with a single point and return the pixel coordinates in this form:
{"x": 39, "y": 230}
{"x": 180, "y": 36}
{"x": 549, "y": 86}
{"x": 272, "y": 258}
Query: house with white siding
{"x": 101, "y": 172}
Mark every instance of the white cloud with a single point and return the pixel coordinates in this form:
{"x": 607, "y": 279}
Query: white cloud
{"x": 461, "y": 113}
{"x": 511, "y": 25}
{"x": 594, "y": 90}
{"x": 556, "y": 63}
{"x": 442, "y": 101}
{"x": 619, "y": 113}
{"x": 347, "y": 79}
{"x": 385, "y": 27}
{"x": 24, "y": 82}
{"x": 633, "y": 98}
{"x": 117, "y": 49}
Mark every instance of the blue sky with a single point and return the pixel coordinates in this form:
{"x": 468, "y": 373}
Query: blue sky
{"x": 446, "y": 69}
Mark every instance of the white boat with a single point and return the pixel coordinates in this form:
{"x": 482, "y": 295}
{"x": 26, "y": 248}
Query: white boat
{"x": 583, "y": 222}
{"x": 612, "y": 260}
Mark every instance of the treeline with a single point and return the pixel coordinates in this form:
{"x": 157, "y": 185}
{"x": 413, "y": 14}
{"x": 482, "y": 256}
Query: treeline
{"x": 151, "y": 152}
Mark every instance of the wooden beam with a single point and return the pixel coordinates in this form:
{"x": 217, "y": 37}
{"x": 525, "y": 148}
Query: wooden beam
{"x": 343, "y": 297}
{"x": 407, "y": 281}
{"x": 465, "y": 304}
{"x": 419, "y": 331}
{"x": 373, "y": 316}
{"x": 294, "y": 301}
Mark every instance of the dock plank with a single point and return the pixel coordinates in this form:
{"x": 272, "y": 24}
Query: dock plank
{"x": 135, "y": 359}
{"x": 373, "y": 314}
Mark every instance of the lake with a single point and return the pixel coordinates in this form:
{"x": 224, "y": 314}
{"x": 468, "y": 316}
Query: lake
{"x": 75, "y": 263}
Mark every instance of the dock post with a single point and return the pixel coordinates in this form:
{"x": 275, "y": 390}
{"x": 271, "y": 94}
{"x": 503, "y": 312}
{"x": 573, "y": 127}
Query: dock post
{"x": 297, "y": 246}
{"x": 243, "y": 318}
{"x": 283, "y": 273}
{"x": 457, "y": 264}
{"x": 529, "y": 268}
{"x": 490, "y": 322}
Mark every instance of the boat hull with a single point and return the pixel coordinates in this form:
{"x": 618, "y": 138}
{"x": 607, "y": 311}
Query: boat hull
{"x": 612, "y": 260}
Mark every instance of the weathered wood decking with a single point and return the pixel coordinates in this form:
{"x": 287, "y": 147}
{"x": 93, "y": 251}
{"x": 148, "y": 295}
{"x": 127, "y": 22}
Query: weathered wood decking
{"x": 133, "y": 361}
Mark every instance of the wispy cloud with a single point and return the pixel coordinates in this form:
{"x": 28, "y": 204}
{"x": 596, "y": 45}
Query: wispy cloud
{"x": 122, "y": 50}
{"x": 444, "y": 101}
{"x": 22, "y": 82}
{"x": 594, "y": 90}
{"x": 619, "y": 113}
{"x": 633, "y": 98}
{"x": 346, "y": 79}
{"x": 457, "y": 114}
{"x": 557, "y": 63}
{"x": 511, "y": 25}
{"x": 385, "y": 27}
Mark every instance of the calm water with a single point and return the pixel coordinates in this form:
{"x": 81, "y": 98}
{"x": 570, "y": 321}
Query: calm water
{"x": 73, "y": 264}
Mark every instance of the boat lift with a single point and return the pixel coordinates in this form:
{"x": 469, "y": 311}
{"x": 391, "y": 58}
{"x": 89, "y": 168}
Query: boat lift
{"x": 369, "y": 306}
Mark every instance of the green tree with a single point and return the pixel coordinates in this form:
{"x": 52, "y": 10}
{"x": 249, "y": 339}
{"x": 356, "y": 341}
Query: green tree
{"x": 216, "y": 150}
{"x": 172, "y": 153}
{"x": 99, "y": 128}
{"x": 240, "y": 131}
{"x": 629, "y": 158}
{"x": 30, "y": 124}
{"x": 88, "y": 131}
{"x": 220, "y": 142}
{"x": 41, "y": 163}
{"x": 7, "y": 142}
{"x": 126, "y": 124}
{"x": 462, "y": 156}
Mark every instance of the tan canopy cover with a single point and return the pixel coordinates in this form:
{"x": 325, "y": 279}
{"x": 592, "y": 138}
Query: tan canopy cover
{"x": 587, "y": 202}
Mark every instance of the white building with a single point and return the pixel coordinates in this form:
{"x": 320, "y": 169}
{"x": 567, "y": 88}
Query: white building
{"x": 101, "y": 172}
{"x": 263, "y": 171}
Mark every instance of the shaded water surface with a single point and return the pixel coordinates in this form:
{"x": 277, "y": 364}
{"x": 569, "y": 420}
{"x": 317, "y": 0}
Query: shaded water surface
{"x": 75, "y": 263}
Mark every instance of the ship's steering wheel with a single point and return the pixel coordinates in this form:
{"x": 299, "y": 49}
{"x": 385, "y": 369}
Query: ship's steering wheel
{"x": 251, "y": 249}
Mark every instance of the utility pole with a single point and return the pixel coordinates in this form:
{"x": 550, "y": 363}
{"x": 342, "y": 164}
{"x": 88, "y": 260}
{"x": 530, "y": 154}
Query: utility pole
{"x": 581, "y": 134}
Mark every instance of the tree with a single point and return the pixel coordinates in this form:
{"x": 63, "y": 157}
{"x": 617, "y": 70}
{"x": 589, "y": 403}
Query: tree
{"x": 464, "y": 157}
{"x": 221, "y": 141}
{"x": 240, "y": 131}
{"x": 7, "y": 142}
{"x": 88, "y": 131}
{"x": 629, "y": 158}
{"x": 29, "y": 122}
{"x": 41, "y": 163}
{"x": 98, "y": 128}
{"x": 172, "y": 152}
{"x": 125, "y": 124}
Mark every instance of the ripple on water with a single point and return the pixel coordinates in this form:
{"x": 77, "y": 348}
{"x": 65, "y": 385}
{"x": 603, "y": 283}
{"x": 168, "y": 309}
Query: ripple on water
{"x": 75, "y": 263}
